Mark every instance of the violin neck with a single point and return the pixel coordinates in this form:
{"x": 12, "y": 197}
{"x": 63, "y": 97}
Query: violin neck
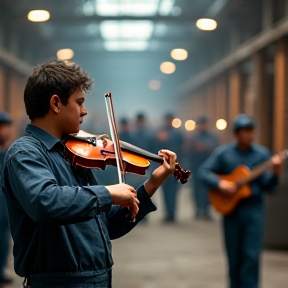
{"x": 140, "y": 152}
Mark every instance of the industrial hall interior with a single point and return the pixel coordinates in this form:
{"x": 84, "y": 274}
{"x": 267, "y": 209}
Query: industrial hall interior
{"x": 206, "y": 80}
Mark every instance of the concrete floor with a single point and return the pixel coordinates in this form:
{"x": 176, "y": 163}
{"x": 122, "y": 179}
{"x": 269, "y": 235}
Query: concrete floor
{"x": 188, "y": 254}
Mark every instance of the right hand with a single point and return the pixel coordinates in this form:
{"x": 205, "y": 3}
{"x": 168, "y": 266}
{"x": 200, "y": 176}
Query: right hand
{"x": 227, "y": 187}
{"x": 126, "y": 196}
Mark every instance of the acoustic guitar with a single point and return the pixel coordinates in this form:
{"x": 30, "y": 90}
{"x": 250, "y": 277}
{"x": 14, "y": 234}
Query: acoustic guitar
{"x": 242, "y": 176}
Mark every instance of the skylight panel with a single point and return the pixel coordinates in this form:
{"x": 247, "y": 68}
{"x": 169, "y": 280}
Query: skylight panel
{"x": 166, "y": 7}
{"x": 127, "y": 7}
{"x": 126, "y": 45}
{"x": 126, "y": 29}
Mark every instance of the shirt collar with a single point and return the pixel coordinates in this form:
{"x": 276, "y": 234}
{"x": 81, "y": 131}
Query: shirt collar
{"x": 46, "y": 138}
{"x": 251, "y": 148}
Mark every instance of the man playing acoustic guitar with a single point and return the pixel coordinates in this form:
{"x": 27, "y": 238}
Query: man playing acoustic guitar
{"x": 243, "y": 226}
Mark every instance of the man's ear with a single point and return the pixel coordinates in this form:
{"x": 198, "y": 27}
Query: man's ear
{"x": 55, "y": 104}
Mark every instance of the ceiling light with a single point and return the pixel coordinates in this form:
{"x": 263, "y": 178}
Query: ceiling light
{"x": 160, "y": 29}
{"x": 176, "y": 11}
{"x": 167, "y": 67}
{"x": 179, "y": 54}
{"x": 221, "y": 124}
{"x": 126, "y": 29}
{"x": 126, "y": 45}
{"x": 154, "y": 85}
{"x": 65, "y": 54}
{"x": 176, "y": 123}
{"x": 127, "y": 7}
{"x": 38, "y": 15}
{"x": 206, "y": 24}
{"x": 166, "y": 7}
{"x": 190, "y": 125}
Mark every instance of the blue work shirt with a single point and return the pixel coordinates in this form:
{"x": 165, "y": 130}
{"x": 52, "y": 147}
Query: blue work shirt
{"x": 201, "y": 145}
{"x": 61, "y": 220}
{"x": 228, "y": 157}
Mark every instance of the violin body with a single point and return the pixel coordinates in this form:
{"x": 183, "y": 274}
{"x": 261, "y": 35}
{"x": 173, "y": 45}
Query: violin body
{"x": 82, "y": 150}
{"x": 79, "y": 153}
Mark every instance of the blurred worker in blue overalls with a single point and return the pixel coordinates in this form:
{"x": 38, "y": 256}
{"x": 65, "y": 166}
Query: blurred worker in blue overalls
{"x": 5, "y": 129}
{"x": 200, "y": 146}
{"x": 141, "y": 137}
{"x": 170, "y": 138}
{"x": 125, "y": 130}
{"x": 243, "y": 228}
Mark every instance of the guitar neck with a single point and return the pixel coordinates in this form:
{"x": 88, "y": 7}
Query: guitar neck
{"x": 259, "y": 170}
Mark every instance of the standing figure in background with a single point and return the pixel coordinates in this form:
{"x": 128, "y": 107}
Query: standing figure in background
{"x": 124, "y": 130}
{"x": 243, "y": 227}
{"x": 201, "y": 145}
{"x": 170, "y": 137}
{"x": 142, "y": 138}
{"x": 5, "y": 131}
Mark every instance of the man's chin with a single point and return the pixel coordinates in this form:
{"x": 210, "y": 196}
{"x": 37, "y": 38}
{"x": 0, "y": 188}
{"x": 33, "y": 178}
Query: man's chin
{"x": 73, "y": 131}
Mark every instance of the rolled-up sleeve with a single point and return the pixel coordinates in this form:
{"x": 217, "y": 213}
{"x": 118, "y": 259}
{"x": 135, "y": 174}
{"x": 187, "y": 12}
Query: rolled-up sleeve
{"x": 35, "y": 188}
{"x": 119, "y": 222}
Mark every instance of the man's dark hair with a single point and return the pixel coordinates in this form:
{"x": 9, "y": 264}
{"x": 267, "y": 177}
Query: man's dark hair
{"x": 53, "y": 78}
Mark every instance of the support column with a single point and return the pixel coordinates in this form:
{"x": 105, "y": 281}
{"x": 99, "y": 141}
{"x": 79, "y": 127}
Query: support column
{"x": 210, "y": 110}
{"x": 260, "y": 91}
{"x": 280, "y": 92}
{"x": 2, "y": 89}
{"x": 234, "y": 94}
{"x": 267, "y": 14}
{"x": 221, "y": 98}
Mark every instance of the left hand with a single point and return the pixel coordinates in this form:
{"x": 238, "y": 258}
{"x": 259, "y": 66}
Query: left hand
{"x": 169, "y": 162}
{"x": 162, "y": 173}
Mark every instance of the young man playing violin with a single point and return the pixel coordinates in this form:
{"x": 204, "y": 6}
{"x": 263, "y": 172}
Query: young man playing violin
{"x": 61, "y": 220}
{"x": 243, "y": 227}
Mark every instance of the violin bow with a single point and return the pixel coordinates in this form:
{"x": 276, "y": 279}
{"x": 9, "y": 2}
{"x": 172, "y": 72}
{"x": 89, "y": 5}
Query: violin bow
{"x": 115, "y": 137}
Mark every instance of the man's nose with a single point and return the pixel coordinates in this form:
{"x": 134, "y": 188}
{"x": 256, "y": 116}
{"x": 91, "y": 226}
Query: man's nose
{"x": 84, "y": 112}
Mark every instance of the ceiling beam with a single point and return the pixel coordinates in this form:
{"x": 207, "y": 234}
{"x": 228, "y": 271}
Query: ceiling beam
{"x": 243, "y": 52}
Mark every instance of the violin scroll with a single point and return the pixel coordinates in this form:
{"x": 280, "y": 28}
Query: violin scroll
{"x": 181, "y": 174}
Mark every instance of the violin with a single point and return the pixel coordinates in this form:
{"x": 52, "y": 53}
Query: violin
{"x": 87, "y": 150}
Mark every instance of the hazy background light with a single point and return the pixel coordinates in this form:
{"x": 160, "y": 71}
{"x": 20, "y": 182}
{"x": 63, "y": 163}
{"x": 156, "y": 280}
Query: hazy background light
{"x": 65, "y": 54}
{"x": 176, "y": 123}
{"x": 167, "y": 67}
{"x": 38, "y": 15}
{"x": 179, "y": 54}
{"x": 206, "y": 24}
{"x": 154, "y": 85}
{"x": 221, "y": 124}
{"x": 190, "y": 125}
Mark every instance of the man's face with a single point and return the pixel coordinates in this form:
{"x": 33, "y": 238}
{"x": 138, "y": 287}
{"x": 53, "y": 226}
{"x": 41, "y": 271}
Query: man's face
{"x": 5, "y": 131}
{"x": 124, "y": 127}
{"x": 71, "y": 115}
{"x": 245, "y": 136}
{"x": 140, "y": 123}
{"x": 168, "y": 121}
{"x": 203, "y": 127}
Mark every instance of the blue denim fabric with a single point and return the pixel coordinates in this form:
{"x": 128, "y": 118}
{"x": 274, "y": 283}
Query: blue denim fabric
{"x": 200, "y": 195}
{"x": 61, "y": 220}
{"x": 4, "y": 224}
{"x": 170, "y": 189}
{"x": 72, "y": 280}
{"x": 4, "y": 234}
